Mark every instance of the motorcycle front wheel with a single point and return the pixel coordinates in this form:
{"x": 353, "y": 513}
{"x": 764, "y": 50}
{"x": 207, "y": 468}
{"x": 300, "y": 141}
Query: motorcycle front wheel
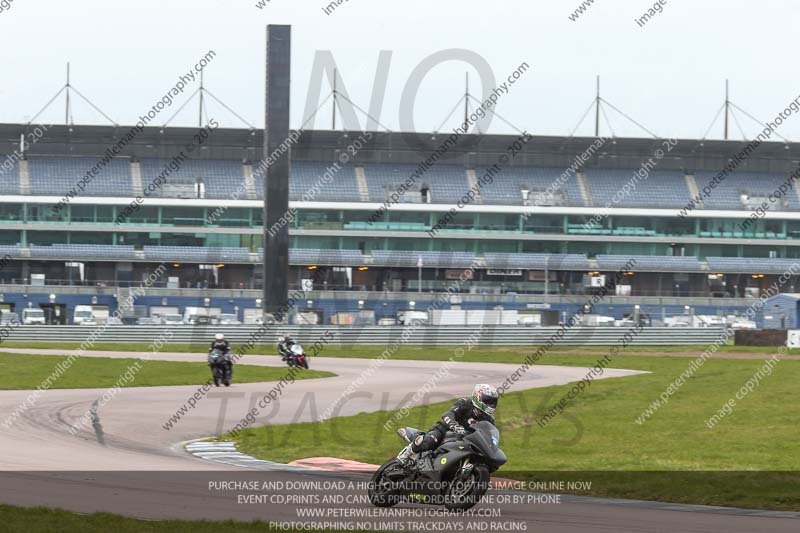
{"x": 380, "y": 491}
{"x": 465, "y": 494}
{"x": 215, "y": 373}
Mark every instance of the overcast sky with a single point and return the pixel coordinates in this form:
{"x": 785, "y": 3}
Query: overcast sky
{"x": 669, "y": 75}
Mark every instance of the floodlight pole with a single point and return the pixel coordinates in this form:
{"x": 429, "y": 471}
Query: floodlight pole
{"x": 466, "y": 99}
{"x": 66, "y": 110}
{"x": 200, "y": 121}
{"x": 333, "y": 122}
{"x": 597, "y": 109}
{"x": 727, "y": 108}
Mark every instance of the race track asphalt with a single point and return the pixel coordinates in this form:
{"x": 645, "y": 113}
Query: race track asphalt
{"x": 126, "y": 462}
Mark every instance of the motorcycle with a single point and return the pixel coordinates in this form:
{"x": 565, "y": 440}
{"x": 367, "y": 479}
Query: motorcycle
{"x": 221, "y": 366}
{"x": 456, "y": 474}
{"x": 297, "y": 357}
{"x": 294, "y": 356}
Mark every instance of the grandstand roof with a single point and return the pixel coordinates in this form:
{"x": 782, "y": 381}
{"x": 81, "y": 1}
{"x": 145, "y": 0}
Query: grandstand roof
{"x": 402, "y": 147}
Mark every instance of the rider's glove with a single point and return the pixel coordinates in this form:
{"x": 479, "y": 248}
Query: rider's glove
{"x": 459, "y": 429}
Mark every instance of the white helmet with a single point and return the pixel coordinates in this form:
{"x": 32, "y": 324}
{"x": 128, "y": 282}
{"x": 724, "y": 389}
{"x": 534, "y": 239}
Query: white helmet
{"x": 219, "y": 337}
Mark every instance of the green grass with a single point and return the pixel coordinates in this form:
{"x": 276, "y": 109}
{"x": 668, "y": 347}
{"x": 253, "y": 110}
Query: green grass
{"x": 25, "y": 372}
{"x": 442, "y": 353}
{"x": 41, "y": 520}
{"x": 597, "y": 434}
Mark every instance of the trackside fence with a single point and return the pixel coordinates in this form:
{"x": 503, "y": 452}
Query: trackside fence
{"x": 372, "y": 335}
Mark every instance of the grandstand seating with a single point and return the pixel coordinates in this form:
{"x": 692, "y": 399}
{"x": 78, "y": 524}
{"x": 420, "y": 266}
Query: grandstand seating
{"x": 302, "y": 256}
{"x": 727, "y": 194}
{"x": 661, "y": 188}
{"x": 447, "y": 183}
{"x": 9, "y": 250}
{"x": 406, "y": 259}
{"x": 82, "y": 251}
{"x": 409, "y": 259}
{"x": 506, "y": 187}
{"x": 221, "y": 177}
{"x": 537, "y": 261}
{"x": 644, "y": 263}
{"x": 195, "y": 253}
{"x": 55, "y": 176}
{"x": 750, "y": 265}
{"x": 9, "y": 179}
{"x": 305, "y": 181}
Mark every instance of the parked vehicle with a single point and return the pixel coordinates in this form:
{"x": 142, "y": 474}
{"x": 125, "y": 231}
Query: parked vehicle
{"x": 192, "y": 314}
{"x": 172, "y": 320}
{"x": 8, "y": 317}
{"x": 229, "y": 319}
{"x": 82, "y": 313}
{"x": 33, "y": 316}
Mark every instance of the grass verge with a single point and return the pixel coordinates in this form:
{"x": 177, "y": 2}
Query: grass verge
{"x": 421, "y": 353}
{"x": 41, "y": 520}
{"x": 751, "y": 458}
{"x": 26, "y": 372}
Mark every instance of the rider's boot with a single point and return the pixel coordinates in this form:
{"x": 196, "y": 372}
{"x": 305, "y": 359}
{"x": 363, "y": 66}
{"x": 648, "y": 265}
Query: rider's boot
{"x": 407, "y": 456}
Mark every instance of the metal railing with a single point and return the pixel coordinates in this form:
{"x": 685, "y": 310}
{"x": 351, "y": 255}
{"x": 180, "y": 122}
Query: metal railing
{"x": 373, "y": 335}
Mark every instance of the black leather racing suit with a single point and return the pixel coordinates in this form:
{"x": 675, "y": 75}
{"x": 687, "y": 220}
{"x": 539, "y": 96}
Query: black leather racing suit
{"x": 224, "y": 345}
{"x": 285, "y": 348}
{"x": 461, "y": 416}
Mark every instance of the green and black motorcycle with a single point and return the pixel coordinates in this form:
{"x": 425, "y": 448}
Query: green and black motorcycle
{"x": 455, "y": 474}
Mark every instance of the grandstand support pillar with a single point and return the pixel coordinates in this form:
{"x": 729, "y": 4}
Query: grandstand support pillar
{"x": 276, "y": 176}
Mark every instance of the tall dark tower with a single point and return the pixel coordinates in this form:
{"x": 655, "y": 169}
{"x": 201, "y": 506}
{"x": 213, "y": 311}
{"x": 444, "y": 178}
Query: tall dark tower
{"x": 276, "y": 176}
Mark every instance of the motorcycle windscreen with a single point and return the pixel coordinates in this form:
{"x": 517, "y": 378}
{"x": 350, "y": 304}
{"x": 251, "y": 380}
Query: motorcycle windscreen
{"x": 216, "y": 356}
{"x": 486, "y": 438}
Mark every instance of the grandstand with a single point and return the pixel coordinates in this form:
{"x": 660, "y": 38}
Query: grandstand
{"x": 533, "y": 229}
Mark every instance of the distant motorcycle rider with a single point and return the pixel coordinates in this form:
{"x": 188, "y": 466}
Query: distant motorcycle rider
{"x": 459, "y": 419}
{"x": 221, "y": 367}
{"x": 220, "y": 342}
{"x": 285, "y": 344}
